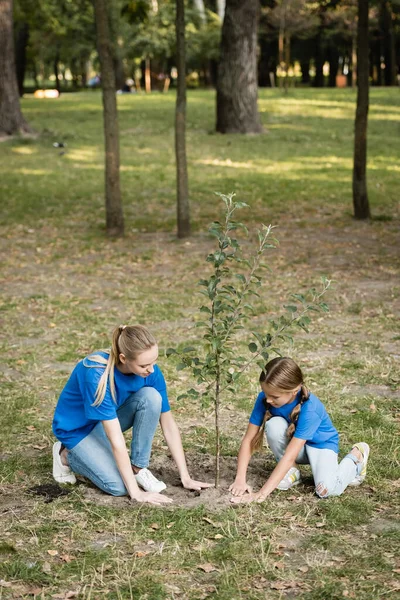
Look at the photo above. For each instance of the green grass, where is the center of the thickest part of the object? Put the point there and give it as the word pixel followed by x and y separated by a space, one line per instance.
pixel 64 286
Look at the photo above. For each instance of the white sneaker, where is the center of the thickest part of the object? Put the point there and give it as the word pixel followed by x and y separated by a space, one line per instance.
pixel 291 478
pixel 61 473
pixel 148 482
pixel 364 449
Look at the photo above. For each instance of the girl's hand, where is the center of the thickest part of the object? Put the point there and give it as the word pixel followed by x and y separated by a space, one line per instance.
pixel 257 497
pixel 192 484
pixel 152 498
pixel 238 489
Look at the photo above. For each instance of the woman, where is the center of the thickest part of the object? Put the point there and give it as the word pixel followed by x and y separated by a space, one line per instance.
pixel 107 393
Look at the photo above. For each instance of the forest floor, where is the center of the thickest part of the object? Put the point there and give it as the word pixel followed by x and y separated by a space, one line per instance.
pixel 64 286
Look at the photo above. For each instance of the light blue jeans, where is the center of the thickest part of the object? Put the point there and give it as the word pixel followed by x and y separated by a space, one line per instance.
pixel 93 457
pixel 330 478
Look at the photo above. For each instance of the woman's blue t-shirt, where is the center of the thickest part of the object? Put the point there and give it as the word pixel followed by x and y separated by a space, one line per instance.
pixel 75 416
pixel 314 424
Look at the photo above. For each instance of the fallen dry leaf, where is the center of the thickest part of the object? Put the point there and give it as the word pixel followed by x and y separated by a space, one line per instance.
pixel 207 567
pixel 31 427
pixel 46 567
pixel 141 553
pixel 67 558
pixel 52 552
pixel 154 526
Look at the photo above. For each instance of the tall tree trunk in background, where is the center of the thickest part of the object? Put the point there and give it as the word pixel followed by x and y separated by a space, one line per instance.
pixel 57 73
pixel 114 215
pixel 389 41
pixel 319 62
pixel 333 57
pixel 21 42
pixel 305 70
pixel 360 194
pixel 11 119
pixel 237 88
pixel 183 213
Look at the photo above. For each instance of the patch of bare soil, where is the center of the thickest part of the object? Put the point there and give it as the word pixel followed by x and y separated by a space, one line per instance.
pixel 201 467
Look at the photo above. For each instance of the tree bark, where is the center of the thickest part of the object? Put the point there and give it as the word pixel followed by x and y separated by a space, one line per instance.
pixel 11 119
pixel 237 89
pixel 114 215
pixel 360 195
pixel 183 212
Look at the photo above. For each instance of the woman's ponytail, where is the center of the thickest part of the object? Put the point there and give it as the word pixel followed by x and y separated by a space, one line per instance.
pixel 127 340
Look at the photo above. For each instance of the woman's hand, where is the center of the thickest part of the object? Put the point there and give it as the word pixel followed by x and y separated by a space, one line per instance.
pixel 239 488
pixel 191 484
pixel 246 499
pixel 152 498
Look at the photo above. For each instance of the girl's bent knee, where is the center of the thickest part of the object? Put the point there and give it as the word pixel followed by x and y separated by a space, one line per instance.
pixel 276 427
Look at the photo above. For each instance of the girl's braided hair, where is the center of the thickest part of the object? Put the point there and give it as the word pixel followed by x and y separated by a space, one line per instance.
pixel 284 375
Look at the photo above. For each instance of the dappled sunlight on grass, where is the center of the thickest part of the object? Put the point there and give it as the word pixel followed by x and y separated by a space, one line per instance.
pixel 33 171
pixel 24 150
pixel 84 154
pixel 300 149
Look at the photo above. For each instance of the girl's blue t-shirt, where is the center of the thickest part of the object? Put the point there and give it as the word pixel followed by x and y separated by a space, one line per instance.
pixel 314 424
pixel 75 416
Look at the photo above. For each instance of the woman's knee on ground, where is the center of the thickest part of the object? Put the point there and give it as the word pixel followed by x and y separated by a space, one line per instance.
pixel 114 488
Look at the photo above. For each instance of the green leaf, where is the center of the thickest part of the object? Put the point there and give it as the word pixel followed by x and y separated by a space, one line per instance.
pixel 181 366
pixel 299 297
pixel 253 347
pixel 182 396
pixel 241 277
pixel 205 309
pixel 170 351
pixel 189 349
pixel 290 308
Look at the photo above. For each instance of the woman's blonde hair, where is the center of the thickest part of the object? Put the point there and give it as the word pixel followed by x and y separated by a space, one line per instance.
pixel 129 340
pixel 284 375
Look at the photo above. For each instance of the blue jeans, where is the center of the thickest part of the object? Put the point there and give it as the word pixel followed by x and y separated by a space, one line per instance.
pixel 330 478
pixel 93 457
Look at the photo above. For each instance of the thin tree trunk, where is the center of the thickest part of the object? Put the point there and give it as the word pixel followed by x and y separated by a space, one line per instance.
pixel 237 88
pixel 57 73
pixel 114 215
pixel 360 195
pixel 319 62
pixel 183 212
pixel 11 119
pixel 217 430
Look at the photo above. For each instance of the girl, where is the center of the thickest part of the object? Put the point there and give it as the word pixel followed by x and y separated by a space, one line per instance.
pixel 298 430
pixel 106 394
